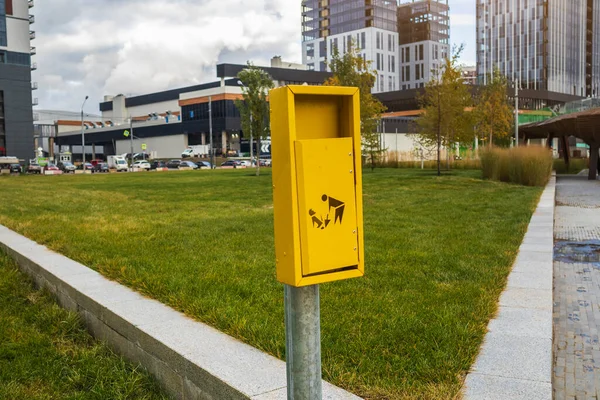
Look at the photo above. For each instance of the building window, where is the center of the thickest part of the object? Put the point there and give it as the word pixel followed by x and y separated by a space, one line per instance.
pixel 362 40
pixel 310 66
pixel 407 53
pixel 422 71
pixel 417 72
pixel 381 82
pixel 378 42
pixel 421 52
pixel 389 83
pixel 403 76
pixel 393 63
pixel 402 52
pixel 389 42
pixel 408 74
pixel 3 38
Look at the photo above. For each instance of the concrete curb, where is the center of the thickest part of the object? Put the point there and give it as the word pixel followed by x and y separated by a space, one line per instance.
pixel 190 359
pixel 515 360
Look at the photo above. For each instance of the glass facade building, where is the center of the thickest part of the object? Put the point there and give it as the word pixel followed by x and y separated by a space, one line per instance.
pixel 551 45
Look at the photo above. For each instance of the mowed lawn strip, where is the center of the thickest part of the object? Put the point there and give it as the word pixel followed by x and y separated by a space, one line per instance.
pixel 45 353
pixel 438 251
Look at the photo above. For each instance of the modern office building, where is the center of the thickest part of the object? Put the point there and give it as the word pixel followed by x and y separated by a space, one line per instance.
pixel 169 121
pixel 16 115
pixel 403 42
pixel 371 25
pixel 424 31
pixel 545 45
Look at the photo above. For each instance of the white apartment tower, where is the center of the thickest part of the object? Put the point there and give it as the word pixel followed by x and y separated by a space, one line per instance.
pixel 423 28
pixel 402 41
pixel 369 24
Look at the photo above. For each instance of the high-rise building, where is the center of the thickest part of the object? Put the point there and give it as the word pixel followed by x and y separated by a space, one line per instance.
pixel 370 25
pixel 16 115
pixel 550 45
pixel 403 42
pixel 424 31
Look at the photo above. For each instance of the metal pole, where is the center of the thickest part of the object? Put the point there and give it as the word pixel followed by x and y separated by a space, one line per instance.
pixel 251 144
pixel 212 160
pixel 131 136
pixel 516 114
pixel 303 342
pixel 82 136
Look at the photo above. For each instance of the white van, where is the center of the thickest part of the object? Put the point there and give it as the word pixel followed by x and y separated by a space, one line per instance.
pixel 117 162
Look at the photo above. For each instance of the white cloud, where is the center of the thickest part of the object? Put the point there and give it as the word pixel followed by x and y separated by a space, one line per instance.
pixel 135 47
pixel 98 47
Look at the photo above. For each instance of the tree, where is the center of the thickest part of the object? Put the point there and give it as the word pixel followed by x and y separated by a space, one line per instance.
pixel 493 113
pixel 254 109
pixel 444 121
pixel 350 69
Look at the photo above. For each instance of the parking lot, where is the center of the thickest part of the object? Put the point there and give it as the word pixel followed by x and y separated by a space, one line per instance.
pixel 118 164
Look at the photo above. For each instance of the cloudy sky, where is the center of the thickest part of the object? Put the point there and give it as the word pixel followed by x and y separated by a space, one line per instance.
pixel 98 47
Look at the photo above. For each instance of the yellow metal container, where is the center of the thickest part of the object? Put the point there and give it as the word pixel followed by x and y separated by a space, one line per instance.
pixel 317 183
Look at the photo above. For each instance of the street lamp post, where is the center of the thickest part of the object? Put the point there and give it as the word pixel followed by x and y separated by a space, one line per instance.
pixel 82 136
pixel 517 113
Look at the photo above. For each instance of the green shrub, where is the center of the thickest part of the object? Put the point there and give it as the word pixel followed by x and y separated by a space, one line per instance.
pixel 527 165
pixel 431 164
pixel 576 165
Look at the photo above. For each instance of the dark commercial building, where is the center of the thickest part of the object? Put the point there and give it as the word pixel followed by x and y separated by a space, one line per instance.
pixel 16 115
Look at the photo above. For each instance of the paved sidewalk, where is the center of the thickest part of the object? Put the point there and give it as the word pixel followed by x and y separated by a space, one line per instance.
pixel 515 360
pixel 576 314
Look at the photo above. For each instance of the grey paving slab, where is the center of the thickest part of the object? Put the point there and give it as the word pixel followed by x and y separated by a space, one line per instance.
pixel 539 245
pixel 529 280
pixel 486 387
pixel 515 357
pixel 576 315
pixel 527 298
pixel 515 360
pixel 539 256
pixel 525 322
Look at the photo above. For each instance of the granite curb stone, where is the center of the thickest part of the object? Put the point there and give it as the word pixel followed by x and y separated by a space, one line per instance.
pixel 515 359
pixel 190 359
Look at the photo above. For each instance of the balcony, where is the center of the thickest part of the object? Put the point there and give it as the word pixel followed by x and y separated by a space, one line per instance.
pixel 32 51
pixel 34 102
pixel 31 19
pixel 34 85
pixel 31 35
pixel 33 66
pixel 30 3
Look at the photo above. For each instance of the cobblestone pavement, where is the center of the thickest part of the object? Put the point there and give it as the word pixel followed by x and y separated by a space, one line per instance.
pixel 576 314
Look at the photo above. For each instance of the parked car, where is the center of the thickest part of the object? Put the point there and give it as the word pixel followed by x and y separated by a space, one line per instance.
pixel 66 167
pixel 245 163
pixel 142 164
pixel 204 165
pixel 158 164
pixel 53 168
pixel 231 164
pixel 101 167
pixel 87 167
pixel 188 164
pixel 34 169
pixel 265 162
pixel 15 168
pixel 173 164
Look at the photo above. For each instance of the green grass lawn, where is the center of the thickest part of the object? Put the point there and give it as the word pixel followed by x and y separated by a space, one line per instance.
pixel 438 251
pixel 45 353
